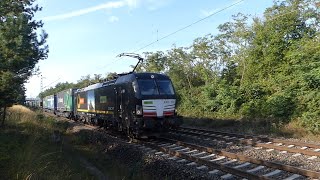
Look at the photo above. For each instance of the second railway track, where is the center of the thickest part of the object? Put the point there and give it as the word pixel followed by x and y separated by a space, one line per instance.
pixel 309 149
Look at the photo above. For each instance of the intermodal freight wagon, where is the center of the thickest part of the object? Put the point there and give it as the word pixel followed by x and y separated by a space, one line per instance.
pixel 65 103
pixel 50 103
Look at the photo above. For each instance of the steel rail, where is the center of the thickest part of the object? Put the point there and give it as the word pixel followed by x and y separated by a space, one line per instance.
pixel 256 138
pixel 255 141
pixel 292 169
pixel 208 163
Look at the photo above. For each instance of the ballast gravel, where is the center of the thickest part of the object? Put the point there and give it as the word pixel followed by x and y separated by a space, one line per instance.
pixel 141 160
pixel 301 161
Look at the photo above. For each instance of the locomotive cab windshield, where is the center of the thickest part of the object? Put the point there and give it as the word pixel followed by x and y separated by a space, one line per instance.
pixel 153 87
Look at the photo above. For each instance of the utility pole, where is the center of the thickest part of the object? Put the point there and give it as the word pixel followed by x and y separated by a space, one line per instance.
pixel 41 89
pixel 41 84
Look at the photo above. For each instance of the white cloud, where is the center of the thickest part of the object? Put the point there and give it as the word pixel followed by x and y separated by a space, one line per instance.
pixel 108 5
pixel 153 5
pixel 113 19
pixel 132 4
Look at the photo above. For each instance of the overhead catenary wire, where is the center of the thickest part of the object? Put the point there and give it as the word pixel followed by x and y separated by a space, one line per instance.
pixel 174 32
pixel 181 29
pixel 178 30
pixel 46 86
pixel 187 26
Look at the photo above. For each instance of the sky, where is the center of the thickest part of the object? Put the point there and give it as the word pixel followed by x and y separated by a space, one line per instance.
pixel 85 36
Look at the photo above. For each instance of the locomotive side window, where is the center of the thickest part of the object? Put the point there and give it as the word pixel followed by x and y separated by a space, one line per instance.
pixel 165 87
pixel 148 87
pixel 103 99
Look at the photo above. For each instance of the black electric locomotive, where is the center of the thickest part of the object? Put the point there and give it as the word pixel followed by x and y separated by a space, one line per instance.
pixel 139 104
pixel 136 103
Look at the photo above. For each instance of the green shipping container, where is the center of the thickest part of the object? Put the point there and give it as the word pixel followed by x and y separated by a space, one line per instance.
pixel 65 100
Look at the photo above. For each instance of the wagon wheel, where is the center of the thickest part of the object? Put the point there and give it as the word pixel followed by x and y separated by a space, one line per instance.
pixel 119 125
pixel 127 125
pixel 131 135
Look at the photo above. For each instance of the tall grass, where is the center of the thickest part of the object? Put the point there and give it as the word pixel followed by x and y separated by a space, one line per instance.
pixel 28 149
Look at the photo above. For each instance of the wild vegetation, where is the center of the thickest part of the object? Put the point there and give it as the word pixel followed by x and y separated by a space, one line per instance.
pixel 21 47
pixel 260 69
pixel 37 146
pixel 29 150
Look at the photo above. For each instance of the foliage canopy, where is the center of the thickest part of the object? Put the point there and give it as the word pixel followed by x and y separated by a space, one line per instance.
pixel 21 47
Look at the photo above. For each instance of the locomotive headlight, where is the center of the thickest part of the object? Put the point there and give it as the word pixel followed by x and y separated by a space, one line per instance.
pixel 138 110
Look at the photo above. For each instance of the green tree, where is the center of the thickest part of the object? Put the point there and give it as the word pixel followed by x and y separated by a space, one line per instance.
pixel 111 76
pixel 154 62
pixel 21 48
pixel 284 27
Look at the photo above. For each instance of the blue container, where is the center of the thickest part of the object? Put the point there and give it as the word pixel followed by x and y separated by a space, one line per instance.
pixel 50 102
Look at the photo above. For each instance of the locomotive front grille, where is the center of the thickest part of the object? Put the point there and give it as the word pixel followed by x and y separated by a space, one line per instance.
pixel 158 107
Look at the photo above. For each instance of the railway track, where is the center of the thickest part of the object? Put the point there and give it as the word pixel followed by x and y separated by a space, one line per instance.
pixel 219 163
pixel 225 164
pixel 270 144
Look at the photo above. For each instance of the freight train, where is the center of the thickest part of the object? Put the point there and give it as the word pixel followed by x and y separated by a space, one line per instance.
pixel 138 104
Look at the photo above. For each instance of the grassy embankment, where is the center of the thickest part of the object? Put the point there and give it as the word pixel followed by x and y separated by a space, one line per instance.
pixel 29 150
pixel 261 127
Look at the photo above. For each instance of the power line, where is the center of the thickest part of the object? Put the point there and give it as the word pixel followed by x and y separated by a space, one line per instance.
pixel 166 36
pixel 51 83
pixel 185 27
pixel 181 29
